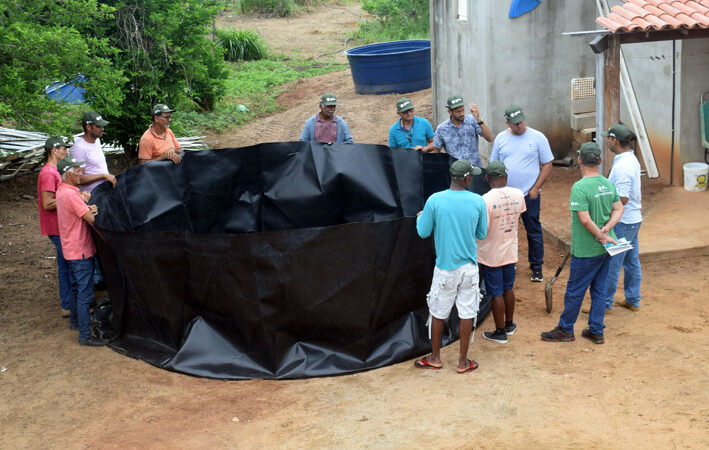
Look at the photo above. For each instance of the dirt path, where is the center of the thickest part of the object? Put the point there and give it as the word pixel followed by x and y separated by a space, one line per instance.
pixel 645 388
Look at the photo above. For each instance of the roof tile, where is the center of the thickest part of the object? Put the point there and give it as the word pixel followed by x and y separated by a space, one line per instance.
pixel 645 15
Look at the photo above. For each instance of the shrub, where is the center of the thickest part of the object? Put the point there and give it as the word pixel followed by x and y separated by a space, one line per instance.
pixel 240 44
pixel 280 8
pixel 395 20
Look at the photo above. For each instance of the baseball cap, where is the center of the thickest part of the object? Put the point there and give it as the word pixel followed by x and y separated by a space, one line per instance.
pixel 514 114
pixel 462 168
pixel 619 131
pixel 496 168
pixel 95 118
pixel 67 163
pixel 160 108
pixel 328 100
pixel 57 141
pixel 404 104
pixel 590 152
pixel 454 101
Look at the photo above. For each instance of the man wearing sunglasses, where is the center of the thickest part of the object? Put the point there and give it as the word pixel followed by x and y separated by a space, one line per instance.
pixel 159 142
pixel 410 131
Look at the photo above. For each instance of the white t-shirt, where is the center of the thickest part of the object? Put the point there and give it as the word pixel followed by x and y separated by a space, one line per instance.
pixel 95 160
pixel 504 206
pixel 522 156
pixel 625 176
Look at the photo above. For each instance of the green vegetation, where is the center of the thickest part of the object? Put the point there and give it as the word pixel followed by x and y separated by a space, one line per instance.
pixel 279 8
pixel 255 85
pixel 395 20
pixel 240 44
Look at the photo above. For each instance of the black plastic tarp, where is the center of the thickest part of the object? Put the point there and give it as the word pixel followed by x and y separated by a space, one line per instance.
pixel 283 260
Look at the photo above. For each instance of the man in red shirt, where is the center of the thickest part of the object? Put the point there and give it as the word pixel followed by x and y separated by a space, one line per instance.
pixel 74 216
pixel 159 142
pixel 47 184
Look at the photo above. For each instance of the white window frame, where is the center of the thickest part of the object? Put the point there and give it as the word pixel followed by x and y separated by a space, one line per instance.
pixel 462 10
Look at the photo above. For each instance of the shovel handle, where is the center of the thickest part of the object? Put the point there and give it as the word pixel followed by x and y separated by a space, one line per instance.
pixel 563 263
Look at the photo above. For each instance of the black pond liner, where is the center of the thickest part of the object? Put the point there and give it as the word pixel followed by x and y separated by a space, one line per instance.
pixel 282 260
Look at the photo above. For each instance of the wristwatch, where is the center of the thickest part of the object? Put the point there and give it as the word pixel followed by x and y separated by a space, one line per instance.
pixel 481 122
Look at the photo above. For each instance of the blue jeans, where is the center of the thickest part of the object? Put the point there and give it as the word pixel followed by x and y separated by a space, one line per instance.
pixel 82 294
pixel 535 238
pixel 630 261
pixel 586 272
pixel 64 274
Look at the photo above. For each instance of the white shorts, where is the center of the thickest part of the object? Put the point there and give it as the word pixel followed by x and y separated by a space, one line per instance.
pixel 459 287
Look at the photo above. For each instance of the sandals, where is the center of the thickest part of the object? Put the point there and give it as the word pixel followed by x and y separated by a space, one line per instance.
pixel 472 365
pixel 424 364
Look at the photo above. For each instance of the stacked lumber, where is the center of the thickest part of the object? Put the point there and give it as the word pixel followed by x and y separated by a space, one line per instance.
pixel 22 152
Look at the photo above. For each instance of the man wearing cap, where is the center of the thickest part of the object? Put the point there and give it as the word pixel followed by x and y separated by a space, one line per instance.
pixel 410 131
pixel 326 127
pixel 625 176
pixel 459 134
pixel 497 254
pixel 73 215
pixel 158 142
pixel 527 155
pixel 47 184
pixel 88 148
pixel 456 217
pixel 595 210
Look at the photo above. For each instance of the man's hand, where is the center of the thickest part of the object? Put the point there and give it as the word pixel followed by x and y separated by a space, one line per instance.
pixel 418 147
pixel 93 210
pixel 475 111
pixel 419 213
pixel 533 193
pixel 604 238
pixel 85 196
pixel 173 156
pixel 111 179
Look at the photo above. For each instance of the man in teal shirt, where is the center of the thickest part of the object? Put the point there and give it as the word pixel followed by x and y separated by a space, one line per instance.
pixel 410 131
pixel 595 209
pixel 456 217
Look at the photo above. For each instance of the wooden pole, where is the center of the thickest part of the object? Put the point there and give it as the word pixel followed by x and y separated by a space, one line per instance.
pixel 611 95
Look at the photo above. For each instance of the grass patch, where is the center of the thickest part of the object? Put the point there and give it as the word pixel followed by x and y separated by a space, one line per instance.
pixel 241 44
pixel 251 92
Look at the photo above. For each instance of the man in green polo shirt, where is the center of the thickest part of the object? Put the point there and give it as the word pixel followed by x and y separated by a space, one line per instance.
pixel 595 209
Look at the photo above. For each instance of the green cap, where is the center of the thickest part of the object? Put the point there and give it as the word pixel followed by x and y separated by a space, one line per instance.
pixel 160 108
pixel 496 168
pixel 57 141
pixel 462 168
pixel 67 163
pixel 95 118
pixel 590 153
pixel 404 104
pixel 514 114
pixel 454 101
pixel 328 100
pixel 620 132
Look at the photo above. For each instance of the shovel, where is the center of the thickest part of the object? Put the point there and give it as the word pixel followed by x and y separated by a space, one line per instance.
pixel 550 283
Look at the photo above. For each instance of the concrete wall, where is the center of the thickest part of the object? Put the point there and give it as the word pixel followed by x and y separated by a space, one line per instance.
pixel 694 81
pixel 494 61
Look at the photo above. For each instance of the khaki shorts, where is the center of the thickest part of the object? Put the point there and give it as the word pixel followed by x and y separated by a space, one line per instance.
pixel 459 287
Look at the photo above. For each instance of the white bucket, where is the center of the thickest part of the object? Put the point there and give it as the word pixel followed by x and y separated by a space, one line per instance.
pixel 695 176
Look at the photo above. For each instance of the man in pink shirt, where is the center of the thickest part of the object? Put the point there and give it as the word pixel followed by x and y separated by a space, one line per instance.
pixel 74 217
pixel 47 184
pixel 88 148
pixel 497 254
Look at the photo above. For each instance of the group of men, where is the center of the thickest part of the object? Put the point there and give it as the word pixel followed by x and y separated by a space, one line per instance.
pixel 524 150
pixel 64 187
pixel 476 235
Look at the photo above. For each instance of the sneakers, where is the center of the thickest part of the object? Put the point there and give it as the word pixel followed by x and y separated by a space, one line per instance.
pixel 595 338
pixel 587 309
pixel 625 304
pixel 498 336
pixel 94 342
pixel 510 328
pixel 537 276
pixel 557 335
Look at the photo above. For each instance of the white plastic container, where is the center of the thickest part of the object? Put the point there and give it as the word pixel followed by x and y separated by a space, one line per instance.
pixel 695 176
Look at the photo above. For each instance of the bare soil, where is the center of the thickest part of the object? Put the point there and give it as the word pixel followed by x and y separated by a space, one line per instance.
pixel 646 387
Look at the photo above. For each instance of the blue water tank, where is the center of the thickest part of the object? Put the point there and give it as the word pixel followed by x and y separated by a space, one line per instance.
pixel 391 67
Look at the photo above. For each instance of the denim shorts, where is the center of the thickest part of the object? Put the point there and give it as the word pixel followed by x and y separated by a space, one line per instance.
pixel 498 279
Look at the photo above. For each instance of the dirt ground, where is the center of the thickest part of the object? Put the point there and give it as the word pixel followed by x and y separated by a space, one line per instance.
pixel 645 388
